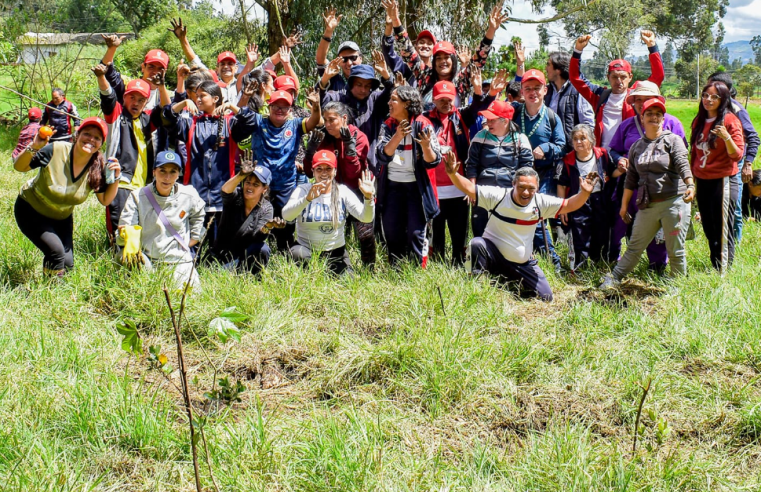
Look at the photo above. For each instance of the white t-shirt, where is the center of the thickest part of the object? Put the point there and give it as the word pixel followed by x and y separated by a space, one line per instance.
pixel 401 169
pixel 612 114
pixel 514 238
pixel 314 228
pixel 586 167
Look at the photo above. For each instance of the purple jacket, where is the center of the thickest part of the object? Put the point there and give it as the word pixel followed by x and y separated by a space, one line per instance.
pixel 627 134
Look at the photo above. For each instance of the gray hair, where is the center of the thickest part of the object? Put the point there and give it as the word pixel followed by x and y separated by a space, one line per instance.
pixel 586 129
pixel 525 171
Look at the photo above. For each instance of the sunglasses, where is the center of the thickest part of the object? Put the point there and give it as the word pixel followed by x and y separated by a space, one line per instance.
pixel 712 97
pixel 350 58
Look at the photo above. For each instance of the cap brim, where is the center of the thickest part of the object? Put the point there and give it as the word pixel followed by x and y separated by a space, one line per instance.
pixel 231 58
pixel 524 80
pixel 489 115
pixel 169 164
pixel 445 96
pixel 277 99
pixel 261 178
pixel 130 91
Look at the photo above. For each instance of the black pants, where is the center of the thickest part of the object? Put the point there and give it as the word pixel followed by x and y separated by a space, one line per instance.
pixel 485 257
pixel 337 259
pixel 114 212
pixel 589 230
pixel 479 218
pixel 403 222
pixel 283 237
pixel 716 202
pixel 454 216
pixel 365 233
pixel 53 237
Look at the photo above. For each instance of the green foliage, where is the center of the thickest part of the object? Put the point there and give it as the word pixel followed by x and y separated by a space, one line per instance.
pixel 690 77
pixel 228 392
pixel 141 14
pixel 755 44
pixel 159 360
pixel 132 342
pixel 224 325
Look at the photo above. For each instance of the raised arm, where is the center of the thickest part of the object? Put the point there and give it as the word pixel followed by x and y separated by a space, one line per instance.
pixel 112 42
pixel 586 186
pixel 461 182
pixel 313 98
pixel 331 21
pixel 180 31
pixel 657 74
pixel 586 89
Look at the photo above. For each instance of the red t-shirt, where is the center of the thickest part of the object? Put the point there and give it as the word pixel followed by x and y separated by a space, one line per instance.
pixel 715 163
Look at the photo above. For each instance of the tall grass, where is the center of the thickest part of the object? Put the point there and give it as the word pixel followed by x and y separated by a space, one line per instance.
pixel 366 383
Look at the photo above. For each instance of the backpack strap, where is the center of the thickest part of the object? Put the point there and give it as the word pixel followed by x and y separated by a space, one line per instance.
pixel 603 99
pixel 510 220
pixel 152 200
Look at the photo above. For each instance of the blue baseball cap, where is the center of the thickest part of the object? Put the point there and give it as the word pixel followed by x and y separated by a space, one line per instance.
pixel 167 157
pixel 365 72
pixel 264 175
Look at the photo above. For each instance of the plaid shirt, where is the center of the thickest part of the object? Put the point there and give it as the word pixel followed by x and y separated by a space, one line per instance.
pixel 26 137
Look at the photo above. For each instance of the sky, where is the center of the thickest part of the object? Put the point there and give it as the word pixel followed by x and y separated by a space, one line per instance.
pixel 742 22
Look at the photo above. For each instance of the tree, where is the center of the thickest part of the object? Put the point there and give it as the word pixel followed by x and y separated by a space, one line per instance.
pixel 749 79
pixel 755 44
pixel 544 36
pixel 141 14
pixel 687 72
pixel 669 55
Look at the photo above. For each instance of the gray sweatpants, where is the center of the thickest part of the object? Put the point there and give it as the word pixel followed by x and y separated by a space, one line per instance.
pixel 674 216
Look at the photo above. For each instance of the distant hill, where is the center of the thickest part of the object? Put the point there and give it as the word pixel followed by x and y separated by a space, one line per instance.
pixel 740 49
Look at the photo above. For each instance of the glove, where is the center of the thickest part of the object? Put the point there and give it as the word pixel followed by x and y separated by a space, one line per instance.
pixel 350 143
pixel 131 254
pixel 315 139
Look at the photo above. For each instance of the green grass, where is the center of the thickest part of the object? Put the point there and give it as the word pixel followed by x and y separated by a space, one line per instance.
pixel 366 384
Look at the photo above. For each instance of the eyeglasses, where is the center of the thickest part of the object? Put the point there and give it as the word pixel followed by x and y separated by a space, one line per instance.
pixel 713 97
pixel 280 109
pixel 350 58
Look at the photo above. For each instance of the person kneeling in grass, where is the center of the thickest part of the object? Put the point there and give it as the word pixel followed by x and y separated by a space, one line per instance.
pixel 320 213
pixel 170 216
pixel 506 247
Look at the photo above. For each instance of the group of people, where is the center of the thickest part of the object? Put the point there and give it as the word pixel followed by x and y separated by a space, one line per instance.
pixel 403 149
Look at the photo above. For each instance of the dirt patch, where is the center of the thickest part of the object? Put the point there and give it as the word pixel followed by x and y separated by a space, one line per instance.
pixel 273 370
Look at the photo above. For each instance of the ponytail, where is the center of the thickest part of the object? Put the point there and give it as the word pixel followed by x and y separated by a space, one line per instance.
pixel 334 202
pixel 95 174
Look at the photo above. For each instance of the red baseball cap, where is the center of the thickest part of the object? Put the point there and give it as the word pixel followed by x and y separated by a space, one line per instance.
pixel 97 122
pixel 34 113
pixel 444 88
pixel 226 55
pixel 281 96
pixel 658 102
pixel 140 86
pixel 285 83
pixel 324 157
pixel 271 72
pixel 444 47
pixel 534 74
pixel 498 109
pixel 425 33
pixel 157 56
pixel 619 64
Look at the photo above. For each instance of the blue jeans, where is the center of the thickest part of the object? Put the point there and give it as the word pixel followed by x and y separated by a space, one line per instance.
pixel 547 186
pixel 738 229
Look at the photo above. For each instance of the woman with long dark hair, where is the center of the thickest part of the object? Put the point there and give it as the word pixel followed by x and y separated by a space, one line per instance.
pixel 717 146
pixel 407 156
pixel 69 172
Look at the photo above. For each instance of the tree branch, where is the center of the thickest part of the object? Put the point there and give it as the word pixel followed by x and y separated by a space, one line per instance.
pixel 555 18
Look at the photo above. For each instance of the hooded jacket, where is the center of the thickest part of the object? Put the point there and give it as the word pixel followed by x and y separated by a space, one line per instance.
pixel 350 167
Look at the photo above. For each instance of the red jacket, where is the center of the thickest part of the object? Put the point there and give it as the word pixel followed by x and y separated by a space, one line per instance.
pixel 349 167
pixel 598 96
pixel 714 162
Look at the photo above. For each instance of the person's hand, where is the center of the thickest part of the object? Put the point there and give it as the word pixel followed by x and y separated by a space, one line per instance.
pixel 698 218
pixel 313 100
pixel 403 128
pixel 293 40
pixel 623 165
pixel 178 28
pixel 476 80
pixel 345 133
pixel 624 213
pixel 331 20
pixel 648 37
pixel 99 70
pixel 275 223
pixel 285 55
pixel 582 42
pixel 451 165
pixel 222 109
pixel 399 79
pixel 520 54
pixel 333 68
pixel 538 153
pixel 113 41
pixel 191 107
pixel 689 194
pixel 721 132
pixel 252 54
pixel 157 79
pixel 464 55
pixel 497 18
pixel 426 137
pixel 183 70
pixel 113 165
pixel 367 184
pixel 247 162
pixel 747 172
pixel 392 8
pixel 588 182
pixel 498 83
pixel 563 219
pixel 250 88
pixel 379 65
pixel 317 189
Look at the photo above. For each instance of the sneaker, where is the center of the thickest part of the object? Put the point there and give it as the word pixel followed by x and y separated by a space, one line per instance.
pixel 609 283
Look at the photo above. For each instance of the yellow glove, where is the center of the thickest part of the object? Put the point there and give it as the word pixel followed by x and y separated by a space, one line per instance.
pixel 131 254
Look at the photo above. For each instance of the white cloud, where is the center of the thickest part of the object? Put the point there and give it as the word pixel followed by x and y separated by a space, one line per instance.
pixel 742 20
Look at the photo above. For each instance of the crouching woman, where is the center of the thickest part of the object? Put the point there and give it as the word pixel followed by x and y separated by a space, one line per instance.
pixel 320 212
pixel 170 219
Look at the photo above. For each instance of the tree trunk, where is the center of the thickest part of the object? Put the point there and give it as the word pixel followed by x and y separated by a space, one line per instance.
pixel 278 26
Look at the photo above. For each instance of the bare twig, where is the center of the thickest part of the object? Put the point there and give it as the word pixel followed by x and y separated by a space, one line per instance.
pixel 645 390
pixel 441 299
pixel 38 102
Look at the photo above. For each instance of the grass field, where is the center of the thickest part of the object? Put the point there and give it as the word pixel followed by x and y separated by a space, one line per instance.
pixel 376 382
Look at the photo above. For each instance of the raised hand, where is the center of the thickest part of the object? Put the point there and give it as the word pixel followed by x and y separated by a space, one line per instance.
pixel 191 107
pixel 313 100
pixel 157 79
pixel 589 181
pixel 252 53
pixel 499 82
pixel 178 28
pixel 40 141
pixel 476 80
pixel 333 68
pixel 392 8
pixel 331 20
pixel 113 41
pixel 647 37
pixel 425 138
pixel 221 109
pixel 399 79
pixel 250 88
pixel 497 18
pixel 247 162
pixel 183 70
pixel 464 55
pixel 582 42
pixel 285 55
pixel 520 53
pixel 450 162
pixel 367 184
pixel 317 189
pixel 345 133
pixel 379 64
pixel 99 70
pixel 293 40
pixel 404 128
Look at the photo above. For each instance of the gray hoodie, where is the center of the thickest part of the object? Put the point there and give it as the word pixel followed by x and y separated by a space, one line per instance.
pixel 661 164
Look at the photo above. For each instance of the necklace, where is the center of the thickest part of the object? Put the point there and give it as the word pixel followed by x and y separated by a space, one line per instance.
pixel 539 120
